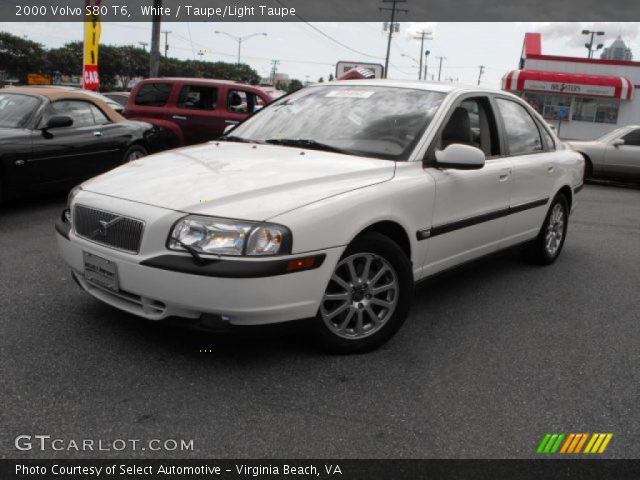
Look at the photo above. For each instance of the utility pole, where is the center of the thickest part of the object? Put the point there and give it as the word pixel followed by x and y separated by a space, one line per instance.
pixel 440 67
pixel 154 62
pixel 274 70
pixel 426 64
pixel 422 36
pixel 166 42
pixel 392 26
pixel 480 74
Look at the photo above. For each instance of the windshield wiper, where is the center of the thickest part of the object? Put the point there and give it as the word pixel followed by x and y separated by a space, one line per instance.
pixel 305 143
pixel 233 138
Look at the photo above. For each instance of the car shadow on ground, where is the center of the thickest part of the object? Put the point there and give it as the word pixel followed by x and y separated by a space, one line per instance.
pixel 256 343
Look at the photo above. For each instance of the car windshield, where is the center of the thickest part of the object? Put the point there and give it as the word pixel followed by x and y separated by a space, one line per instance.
pixel 15 110
pixel 375 121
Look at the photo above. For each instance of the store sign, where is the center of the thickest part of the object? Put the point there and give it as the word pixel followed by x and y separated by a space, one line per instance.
pixel 570 88
pixel 38 79
pixel 92 31
pixel 343 67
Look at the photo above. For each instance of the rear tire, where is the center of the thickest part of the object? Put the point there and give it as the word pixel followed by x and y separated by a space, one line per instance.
pixel 134 152
pixel 546 248
pixel 368 297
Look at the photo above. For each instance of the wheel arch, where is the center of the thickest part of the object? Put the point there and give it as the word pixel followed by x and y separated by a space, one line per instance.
pixel 393 231
pixel 568 193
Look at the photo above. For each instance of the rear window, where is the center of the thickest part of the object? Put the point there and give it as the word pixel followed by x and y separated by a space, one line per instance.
pixel 154 94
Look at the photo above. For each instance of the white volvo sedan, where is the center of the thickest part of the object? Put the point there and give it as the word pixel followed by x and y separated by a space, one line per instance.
pixel 326 205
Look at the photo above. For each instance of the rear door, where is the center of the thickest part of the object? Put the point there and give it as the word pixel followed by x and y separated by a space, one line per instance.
pixel 198 112
pixel 151 100
pixel 624 160
pixel 535 172
pixel 470 205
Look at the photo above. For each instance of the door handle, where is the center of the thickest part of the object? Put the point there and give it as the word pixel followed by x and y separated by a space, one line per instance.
pixel 232 122
pixel 179 117
pixel 97 134
pixel 550 169
pixel 504 174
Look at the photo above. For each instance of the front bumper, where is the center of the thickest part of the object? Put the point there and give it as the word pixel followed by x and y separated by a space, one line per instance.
pixel 155 293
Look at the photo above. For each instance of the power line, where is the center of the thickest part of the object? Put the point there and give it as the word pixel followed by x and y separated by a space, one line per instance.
pixel 330 37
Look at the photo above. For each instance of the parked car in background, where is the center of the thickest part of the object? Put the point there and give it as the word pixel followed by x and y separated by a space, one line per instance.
pixel 195 110
pixel 120 97
pixel 615 155
pixel 52 139
pixel 326 205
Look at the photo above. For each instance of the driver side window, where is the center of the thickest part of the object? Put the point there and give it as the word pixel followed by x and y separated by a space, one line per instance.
pixel 78 110
pixel 471 123
pixel 632 139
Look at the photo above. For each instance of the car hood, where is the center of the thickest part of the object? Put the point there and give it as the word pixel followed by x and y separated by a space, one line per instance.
pixel 244 181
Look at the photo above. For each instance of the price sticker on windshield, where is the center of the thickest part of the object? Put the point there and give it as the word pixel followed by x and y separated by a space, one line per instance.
pixel 349 93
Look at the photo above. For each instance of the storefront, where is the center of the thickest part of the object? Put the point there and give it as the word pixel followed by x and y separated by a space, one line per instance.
pixel 592 96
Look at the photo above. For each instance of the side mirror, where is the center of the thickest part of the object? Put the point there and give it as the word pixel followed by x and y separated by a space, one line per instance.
pixel 460 157
pixel 59 121
pixel 618 142
pixel 228 128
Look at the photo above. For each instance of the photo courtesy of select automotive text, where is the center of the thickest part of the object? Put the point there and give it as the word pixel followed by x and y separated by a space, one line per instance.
pixel 331 240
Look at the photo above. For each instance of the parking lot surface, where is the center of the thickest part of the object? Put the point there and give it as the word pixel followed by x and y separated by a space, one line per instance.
pixel 492 357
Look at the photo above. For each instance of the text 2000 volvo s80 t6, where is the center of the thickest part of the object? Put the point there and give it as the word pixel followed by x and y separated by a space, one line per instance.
pixel 328 204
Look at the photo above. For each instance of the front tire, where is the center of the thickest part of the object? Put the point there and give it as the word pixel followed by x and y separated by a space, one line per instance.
pixel 134 152
pixel 546 248
pixel 368 297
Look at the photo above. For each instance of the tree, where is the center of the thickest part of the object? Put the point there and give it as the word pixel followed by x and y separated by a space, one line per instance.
pixel 118 67
pixel 294 85
pixel 321 80
pixel 19 56
pixel 331 77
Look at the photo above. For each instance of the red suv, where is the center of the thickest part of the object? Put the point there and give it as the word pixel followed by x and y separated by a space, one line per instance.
pixel 196 110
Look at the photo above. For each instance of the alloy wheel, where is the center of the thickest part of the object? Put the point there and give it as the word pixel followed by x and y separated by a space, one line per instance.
pixel 361 297
pixel 555 229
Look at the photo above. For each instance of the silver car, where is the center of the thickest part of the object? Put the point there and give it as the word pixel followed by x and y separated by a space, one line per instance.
pixel 615 155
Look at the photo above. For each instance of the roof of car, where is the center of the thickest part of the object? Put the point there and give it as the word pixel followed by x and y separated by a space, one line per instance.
pixel 54 93
pixel 415 84
pixel 194 79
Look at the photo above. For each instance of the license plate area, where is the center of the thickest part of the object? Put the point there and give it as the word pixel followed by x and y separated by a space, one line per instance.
pixel 100 271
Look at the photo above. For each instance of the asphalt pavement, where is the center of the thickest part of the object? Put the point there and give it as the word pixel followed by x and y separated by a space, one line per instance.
pixel 492 357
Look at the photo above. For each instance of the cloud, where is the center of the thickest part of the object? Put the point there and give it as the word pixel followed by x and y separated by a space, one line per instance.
pixel 570 33
pixel 410 29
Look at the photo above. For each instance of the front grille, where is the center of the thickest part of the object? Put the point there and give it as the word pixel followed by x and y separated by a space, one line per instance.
pixel 108 229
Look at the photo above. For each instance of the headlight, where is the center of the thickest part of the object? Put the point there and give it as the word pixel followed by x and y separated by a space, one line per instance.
pixel 229 237
pixel 72 195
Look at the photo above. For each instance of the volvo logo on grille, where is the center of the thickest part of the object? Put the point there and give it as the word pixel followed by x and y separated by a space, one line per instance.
pixel 103 227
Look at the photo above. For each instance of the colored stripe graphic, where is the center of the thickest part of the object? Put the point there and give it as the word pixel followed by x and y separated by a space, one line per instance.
pixel 572 443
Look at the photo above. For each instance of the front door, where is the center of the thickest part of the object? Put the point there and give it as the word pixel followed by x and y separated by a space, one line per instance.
pixel 624 160
pixel 470 205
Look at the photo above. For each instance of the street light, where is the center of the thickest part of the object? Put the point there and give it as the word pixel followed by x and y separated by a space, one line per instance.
pixel 240 39
pixel 589 45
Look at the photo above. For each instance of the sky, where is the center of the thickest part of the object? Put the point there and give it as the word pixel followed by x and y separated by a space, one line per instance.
pixel 310 51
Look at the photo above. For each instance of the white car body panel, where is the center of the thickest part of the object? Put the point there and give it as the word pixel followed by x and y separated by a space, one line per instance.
pixel 326 200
